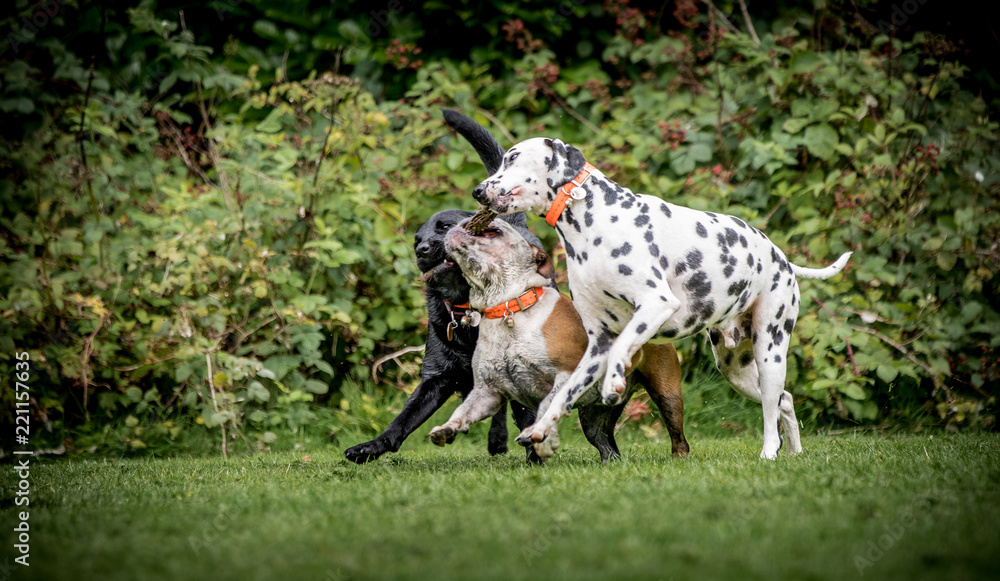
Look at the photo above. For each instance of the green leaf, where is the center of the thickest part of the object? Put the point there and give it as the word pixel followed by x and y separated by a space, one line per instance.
pixel 257 392
pixel 947 260
pixel 821 140
pixel 886 372
pixel 853 391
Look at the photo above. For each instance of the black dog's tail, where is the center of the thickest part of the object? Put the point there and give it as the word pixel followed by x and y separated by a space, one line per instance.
pixel 486 146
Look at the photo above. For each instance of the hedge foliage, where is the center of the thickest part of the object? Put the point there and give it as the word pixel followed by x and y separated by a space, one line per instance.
pixel 217 233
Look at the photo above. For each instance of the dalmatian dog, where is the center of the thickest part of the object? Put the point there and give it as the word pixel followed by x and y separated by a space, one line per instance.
pixel 641 269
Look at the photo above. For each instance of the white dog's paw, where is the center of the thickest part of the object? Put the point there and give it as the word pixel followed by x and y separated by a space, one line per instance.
pixel 442 435
pixel 547 447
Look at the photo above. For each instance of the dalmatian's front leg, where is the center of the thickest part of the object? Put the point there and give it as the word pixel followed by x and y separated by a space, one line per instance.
pixel 564 395
pixel 646 321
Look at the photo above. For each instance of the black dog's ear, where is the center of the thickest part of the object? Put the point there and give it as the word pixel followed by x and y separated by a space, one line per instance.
pixel 485 145
pixel 543 264
pixel 567 156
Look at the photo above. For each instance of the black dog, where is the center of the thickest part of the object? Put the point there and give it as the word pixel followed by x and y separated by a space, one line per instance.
pixel 447 365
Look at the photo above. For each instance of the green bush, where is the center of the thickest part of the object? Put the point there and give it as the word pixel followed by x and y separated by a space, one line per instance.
pixel 192 238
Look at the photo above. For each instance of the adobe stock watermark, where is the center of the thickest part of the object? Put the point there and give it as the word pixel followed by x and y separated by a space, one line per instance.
pixel 899 15
pixel 560 523
pixel 41 15
pixel 875 549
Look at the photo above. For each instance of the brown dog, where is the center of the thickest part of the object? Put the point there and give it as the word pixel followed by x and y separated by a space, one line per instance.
pixel 531 339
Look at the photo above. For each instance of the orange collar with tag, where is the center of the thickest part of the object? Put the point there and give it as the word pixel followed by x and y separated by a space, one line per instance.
pixel 566 193
pixel 521 303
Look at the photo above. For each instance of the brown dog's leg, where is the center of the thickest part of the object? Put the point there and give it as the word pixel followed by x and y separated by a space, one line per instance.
pixel 662 378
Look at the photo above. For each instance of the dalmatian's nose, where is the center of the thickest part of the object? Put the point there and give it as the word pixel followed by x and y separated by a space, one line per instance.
pixel 479 194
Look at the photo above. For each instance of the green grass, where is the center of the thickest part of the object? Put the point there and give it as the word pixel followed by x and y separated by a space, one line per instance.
pixel 456 513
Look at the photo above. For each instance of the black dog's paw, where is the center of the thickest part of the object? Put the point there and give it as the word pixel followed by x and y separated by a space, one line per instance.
pixel 497 446
pixel 363 453
pixel 442 435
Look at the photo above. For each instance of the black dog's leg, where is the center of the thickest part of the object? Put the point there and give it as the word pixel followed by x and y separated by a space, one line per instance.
pixel 497 438
pixel 524 417
pixel 598 424
pixel 428 398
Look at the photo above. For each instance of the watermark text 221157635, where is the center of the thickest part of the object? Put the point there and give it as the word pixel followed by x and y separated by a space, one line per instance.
pixel 22 433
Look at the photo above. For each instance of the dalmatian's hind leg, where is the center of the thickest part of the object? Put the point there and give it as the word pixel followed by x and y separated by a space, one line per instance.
pixel 739 366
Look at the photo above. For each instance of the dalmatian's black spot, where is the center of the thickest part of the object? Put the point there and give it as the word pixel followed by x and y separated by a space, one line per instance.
pixel 754 338
pixel 789 325
pixel 714 335
pixel 721 239
pixel 583 257
pixel 609 295
pixel 694 259
pixel 760 267
pixel 641 328
pixel 698 285
pixel 700 229
pixel 664 263
pixel 737 287
pixel 777 358
pixel 614 219
pixel 770 346
pixel 610 197
pixel 739 222
pixel 665 209
pixel 691 321
pixel 629 201
pixel 621 251
pixel 641 220
pixel 611 315
pixel 654 250
pixel 656 273
pixel 588 219
pixel 650 283
pixel 625 270
pixel 680 269
pixel 644 209
pixel 593 368
pixel 746 358
pixel 570 252
pixel 603 343
pixel 750 260
pixel 775 257
pixel 598 240
pixel 729 358
pixel 732 237
pixel 669 333
pixel 728 271
pixel 743 241
pixel 744 300
pixel 781 311
pixel 620 369
pixel 648 236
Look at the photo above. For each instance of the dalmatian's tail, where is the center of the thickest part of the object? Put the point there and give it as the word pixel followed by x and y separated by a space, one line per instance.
pixel 822 272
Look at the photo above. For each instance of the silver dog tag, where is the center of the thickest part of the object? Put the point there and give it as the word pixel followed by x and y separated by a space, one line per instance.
pixel 578 193
pixel 472 319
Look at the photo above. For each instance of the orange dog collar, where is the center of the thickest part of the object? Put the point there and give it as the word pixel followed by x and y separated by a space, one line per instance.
pixel 566 193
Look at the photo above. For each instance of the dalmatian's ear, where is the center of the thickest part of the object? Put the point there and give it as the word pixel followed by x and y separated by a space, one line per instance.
pixel 566 158
pixel 543 263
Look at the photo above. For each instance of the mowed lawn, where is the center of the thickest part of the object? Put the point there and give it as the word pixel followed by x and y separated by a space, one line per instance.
pixel 922 506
